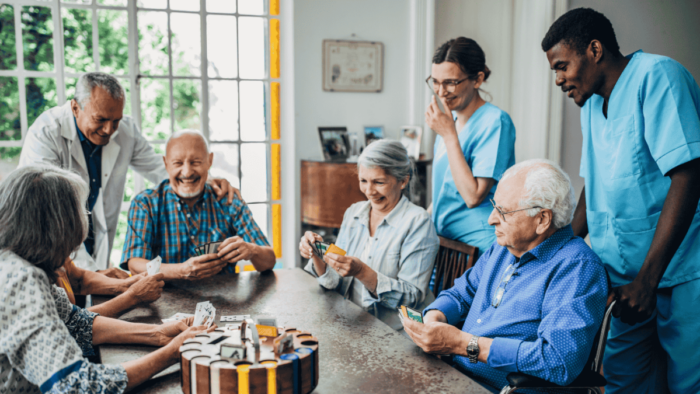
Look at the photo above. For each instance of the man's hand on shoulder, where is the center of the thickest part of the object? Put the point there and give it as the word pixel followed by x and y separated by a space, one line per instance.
pixel 201 267
pixel 222 188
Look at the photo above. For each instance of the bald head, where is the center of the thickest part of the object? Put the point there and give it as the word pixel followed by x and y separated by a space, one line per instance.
pixel 187 160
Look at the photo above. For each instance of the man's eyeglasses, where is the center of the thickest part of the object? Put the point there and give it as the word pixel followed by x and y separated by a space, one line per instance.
pixel 449 85
pixel 503 214
pixel 507 275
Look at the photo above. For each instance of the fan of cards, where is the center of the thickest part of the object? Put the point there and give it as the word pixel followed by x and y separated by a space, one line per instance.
pixel 321 248
pixel 207 248
pixel 409 313
pixel 204 314
pixel 153 266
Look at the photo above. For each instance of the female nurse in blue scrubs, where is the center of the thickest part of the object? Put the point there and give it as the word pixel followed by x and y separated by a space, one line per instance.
pixel 474 147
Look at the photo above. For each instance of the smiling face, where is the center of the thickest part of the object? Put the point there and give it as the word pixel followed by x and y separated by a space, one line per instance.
pixel 576 74
pixel 464 93
pixel 188 163
pixel 381 189
pixel 99 118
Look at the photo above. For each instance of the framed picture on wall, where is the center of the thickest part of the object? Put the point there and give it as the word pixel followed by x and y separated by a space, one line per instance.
pixel 352 66
pixel 373 133
pixel 334 143
pixel 410 139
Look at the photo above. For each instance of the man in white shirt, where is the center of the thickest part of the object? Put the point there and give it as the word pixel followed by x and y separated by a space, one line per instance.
pixel 91 136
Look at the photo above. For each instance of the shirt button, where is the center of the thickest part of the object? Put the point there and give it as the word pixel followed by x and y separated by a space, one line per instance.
pixel 478 321
pixel 188 215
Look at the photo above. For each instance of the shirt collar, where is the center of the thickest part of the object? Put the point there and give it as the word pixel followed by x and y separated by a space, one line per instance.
pixel 550 246
pixel 171 196
pixel 392 219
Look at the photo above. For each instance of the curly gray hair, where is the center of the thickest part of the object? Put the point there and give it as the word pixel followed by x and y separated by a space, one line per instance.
pixel 546 186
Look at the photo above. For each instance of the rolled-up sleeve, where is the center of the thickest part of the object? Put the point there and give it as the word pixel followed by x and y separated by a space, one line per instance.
pixel 572 312
pixel 418 252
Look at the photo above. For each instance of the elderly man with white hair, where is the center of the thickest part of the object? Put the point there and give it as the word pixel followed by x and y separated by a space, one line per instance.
pixel 534 301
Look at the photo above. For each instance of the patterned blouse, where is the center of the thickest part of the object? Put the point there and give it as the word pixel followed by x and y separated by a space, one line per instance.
pixel 44 338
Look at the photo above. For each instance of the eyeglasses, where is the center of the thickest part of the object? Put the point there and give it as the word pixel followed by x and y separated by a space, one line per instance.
pixel 449 85
pixel 503 214
pixel 507 275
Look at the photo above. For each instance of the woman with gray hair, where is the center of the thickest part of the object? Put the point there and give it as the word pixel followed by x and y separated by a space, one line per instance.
pixel 390 243
pixel 44 339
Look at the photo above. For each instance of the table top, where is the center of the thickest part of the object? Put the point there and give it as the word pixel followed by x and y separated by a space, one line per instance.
pixel 357 352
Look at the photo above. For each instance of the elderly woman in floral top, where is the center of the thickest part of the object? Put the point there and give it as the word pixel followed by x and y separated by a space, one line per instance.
pixel 44 339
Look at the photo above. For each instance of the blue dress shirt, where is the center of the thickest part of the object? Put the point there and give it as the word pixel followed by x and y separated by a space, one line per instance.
pixel 548 316
pixel 93 160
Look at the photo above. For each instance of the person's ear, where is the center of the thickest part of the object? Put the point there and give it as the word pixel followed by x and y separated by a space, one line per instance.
pixel 165 162
pixel 595 51
pixel 75 107
pixel 479 79
pixel 211 159
pixel 544 221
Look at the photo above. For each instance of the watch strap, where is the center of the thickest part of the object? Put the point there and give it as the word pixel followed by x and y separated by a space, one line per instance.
pixel 473 349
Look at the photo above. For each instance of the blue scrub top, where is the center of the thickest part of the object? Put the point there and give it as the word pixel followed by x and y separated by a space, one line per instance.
pixel 488 144
pixel 653 126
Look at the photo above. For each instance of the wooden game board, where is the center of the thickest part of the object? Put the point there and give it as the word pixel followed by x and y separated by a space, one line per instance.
pixel 262 371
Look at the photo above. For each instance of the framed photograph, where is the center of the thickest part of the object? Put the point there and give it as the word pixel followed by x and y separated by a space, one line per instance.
pixel 352 66
pixel 410 139
pixel 334 142
pixel 373 133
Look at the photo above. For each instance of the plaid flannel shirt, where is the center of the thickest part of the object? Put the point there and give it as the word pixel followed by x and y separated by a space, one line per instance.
pixel 160 224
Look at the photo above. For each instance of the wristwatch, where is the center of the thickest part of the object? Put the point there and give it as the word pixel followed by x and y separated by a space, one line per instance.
pixel 473 349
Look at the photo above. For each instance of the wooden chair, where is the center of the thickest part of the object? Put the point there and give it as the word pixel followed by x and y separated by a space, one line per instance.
pixel 451 262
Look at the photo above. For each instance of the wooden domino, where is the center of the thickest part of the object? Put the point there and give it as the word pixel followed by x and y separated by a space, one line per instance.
pixel 244 368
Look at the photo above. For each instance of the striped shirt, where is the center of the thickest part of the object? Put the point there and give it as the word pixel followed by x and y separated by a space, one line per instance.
pixel 161 224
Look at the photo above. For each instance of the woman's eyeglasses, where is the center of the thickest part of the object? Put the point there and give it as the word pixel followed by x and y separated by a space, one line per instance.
pixel 449 85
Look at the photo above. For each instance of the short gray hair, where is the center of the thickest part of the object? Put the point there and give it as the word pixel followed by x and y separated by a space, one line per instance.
pixel 546 186
pixel 180 133
pixel 390 156
pixel 42 215
pixel 87 82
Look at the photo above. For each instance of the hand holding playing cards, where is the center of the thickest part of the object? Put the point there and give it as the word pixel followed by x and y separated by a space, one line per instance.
pixel 305 248
pixel 434 337
pixel 147 288
pixel 201 267
pixel 235 249
pixel 345 265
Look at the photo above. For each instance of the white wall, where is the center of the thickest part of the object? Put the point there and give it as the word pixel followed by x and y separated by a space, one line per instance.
pixel 386 21
pixel 667 28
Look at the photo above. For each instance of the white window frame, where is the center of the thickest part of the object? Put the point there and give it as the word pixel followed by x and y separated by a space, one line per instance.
pixel 59 75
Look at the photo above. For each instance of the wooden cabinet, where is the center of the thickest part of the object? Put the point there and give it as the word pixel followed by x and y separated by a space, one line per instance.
pixel 327 190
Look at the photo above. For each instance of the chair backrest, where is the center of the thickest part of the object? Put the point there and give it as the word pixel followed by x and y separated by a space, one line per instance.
pixel 451 262
pixel 595 359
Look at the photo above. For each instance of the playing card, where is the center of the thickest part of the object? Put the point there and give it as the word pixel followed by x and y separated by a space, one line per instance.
pixel 321 248
pixel 334 249
pixel 215 247
pixel 200 313
pixel 153 266
pixel 235 318
pixel 177 316
pixel 210 318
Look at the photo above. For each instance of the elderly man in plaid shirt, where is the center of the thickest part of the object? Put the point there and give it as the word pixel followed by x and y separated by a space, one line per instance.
pixel 182 213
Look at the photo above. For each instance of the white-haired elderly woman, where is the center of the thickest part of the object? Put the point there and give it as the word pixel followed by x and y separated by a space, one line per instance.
pixel 44 339
pixel 391 243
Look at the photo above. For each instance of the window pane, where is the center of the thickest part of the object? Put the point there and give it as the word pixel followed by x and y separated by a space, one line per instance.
pixel 225 163
pixel 184 5
pixel 70 87
pixel 77 40
pixel 10 127
pixel 129 186
pixel 155 108
pixel 221 6
pixel 114 43
pixel 153 43
pixel 160 4
pixel 127 95
pixel 41 95
pixel 160 150
pixel 260 213
pixel 221 46
pixel 187 103
pixel 223 110
pixel 119 238
pixel 253 106
pixel 77 1
pixel 8 60
pixel 252 49
pixel 121 3
pixel 186 44
pixel 37 36
pixel 254 172
pixel 251 7
pixel 9 160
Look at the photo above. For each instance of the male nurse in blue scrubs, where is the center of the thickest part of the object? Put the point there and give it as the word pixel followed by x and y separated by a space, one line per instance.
pixel 641 143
